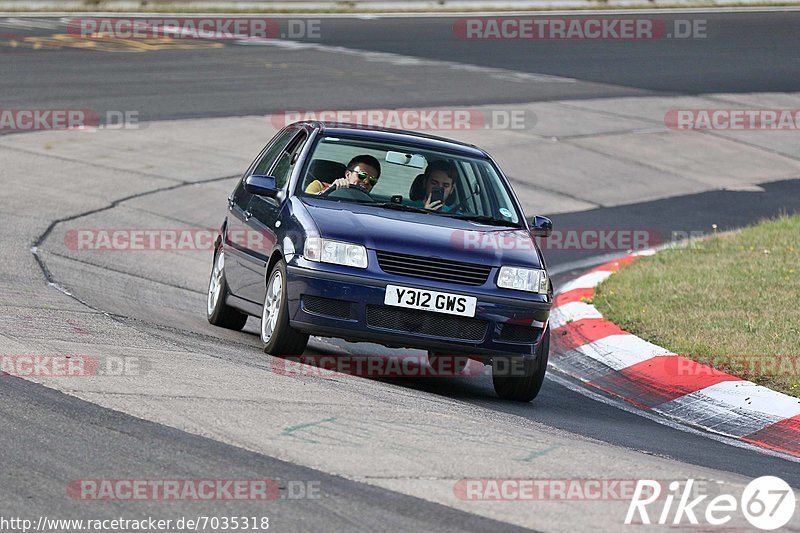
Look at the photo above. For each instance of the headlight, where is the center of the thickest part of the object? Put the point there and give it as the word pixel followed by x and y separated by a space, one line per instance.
pixel 523 279
pixel 336 252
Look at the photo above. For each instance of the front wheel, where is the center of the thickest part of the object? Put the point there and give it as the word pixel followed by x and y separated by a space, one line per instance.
pixel 278 336
pixel 521 379
pixel 218 312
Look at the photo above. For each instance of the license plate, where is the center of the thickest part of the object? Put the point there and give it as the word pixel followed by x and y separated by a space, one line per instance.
pixel 440 302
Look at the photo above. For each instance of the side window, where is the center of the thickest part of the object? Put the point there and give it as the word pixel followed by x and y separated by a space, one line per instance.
pixel 264 161
pixel 474 200
pixel 498 200
pixel 276 147
pixel 286 161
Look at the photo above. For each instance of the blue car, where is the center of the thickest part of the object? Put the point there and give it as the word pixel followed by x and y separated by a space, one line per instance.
pixel 385 236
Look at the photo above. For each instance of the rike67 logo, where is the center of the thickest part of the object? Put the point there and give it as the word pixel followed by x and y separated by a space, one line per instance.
pixel 767 502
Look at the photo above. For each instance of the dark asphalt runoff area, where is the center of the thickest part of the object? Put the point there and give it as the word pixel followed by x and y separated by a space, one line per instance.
pixel 742 52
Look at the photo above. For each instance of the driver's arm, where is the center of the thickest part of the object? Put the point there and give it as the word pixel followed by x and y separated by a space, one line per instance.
pixel 316 187
pixel 340 183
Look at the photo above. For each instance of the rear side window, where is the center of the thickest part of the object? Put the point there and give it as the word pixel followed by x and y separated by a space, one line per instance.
pixel 286 160
pixel 272 152
pixel 263 163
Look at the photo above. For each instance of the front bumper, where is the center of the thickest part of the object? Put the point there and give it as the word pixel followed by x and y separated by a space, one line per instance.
pixel 332 303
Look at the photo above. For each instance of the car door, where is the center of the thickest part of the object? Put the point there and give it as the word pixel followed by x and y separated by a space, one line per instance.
pixel 261 228
pixel 238 267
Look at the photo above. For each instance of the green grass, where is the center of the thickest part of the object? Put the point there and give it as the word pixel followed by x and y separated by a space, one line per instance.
pixel 732 302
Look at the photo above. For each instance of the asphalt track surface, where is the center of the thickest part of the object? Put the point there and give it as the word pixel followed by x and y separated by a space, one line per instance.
pixel 747 53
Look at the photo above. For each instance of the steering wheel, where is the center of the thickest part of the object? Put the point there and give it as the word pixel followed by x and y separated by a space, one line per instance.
pixel 353 192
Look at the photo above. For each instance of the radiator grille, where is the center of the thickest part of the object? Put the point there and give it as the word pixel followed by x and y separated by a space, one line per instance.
pixel 434 269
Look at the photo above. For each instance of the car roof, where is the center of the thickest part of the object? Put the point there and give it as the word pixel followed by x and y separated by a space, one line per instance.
pixel 421 140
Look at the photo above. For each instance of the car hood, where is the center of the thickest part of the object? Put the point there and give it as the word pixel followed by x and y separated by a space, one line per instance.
pixel 423 234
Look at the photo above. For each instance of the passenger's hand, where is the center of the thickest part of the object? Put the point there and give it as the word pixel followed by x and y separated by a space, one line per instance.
pixel 432 206
pixel 341 183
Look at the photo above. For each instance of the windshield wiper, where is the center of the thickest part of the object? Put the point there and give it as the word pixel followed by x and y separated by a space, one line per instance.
pixel 402 207
pixel 482 219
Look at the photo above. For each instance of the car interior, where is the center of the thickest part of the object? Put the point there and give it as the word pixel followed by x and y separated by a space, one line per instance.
pixel 402 176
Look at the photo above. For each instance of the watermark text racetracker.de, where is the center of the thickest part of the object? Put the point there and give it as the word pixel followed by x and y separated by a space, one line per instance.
pixel 101 525
pixel 39 119
pixel 578 28
pixel 589 239
pixel 399 366
pixel 162 239
pixel 534 489
pixel 70 366
pixel 771 365
pixel 420 119
pixel 213 28
pixel 192 490
pixel 733 119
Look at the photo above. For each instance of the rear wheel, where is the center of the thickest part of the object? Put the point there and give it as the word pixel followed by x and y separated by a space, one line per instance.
pixel 278 336
pixel 521 380
pixel 217 311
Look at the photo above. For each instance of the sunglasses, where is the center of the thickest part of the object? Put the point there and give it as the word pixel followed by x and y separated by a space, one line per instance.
pixel 366 177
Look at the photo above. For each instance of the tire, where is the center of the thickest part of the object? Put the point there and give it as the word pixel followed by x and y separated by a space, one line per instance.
pixel 522 388
pixel 449 365
pixel 278 337
pixel 218 312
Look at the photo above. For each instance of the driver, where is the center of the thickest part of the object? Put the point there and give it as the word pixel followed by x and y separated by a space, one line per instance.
pixel 363 170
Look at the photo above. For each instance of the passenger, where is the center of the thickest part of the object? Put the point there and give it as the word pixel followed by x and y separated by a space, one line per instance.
pixel 441 174
pixel 363 170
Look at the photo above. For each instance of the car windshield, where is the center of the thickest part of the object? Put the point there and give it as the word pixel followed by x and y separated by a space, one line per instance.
pixel 411 179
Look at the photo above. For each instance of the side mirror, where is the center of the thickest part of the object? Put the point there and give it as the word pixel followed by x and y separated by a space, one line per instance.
pixel 261 186
pixel 541 226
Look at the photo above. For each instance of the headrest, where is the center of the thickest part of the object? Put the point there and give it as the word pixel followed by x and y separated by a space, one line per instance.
pixel 324 170
pixel 417 190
